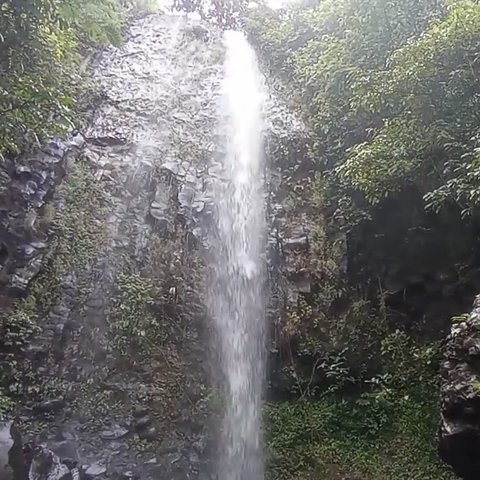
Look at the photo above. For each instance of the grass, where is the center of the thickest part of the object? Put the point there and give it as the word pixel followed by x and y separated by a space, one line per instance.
pixel 382 436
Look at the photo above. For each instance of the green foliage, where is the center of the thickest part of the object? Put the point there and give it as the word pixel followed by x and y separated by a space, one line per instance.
pixel 371 440
pixel 98 403
pixel 385 433
pixel 6 405
pixel 225 13
pixel 79 225
pixel 407 363
pixel 134 327
pixel 18 325
pixel 40 41
pixel 391 91
pixel 94 23
pixel 461 318
pixel 79 233
pixel 329 338
pixel 430 138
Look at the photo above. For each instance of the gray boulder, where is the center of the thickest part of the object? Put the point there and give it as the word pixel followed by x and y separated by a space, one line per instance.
pixel 460 396
pixel 11 457
pixel 47 466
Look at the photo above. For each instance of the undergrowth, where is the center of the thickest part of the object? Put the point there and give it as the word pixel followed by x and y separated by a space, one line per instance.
pixel 381 439
pixel 386 432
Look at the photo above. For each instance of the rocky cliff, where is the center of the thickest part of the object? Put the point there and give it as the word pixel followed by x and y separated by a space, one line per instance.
pixel 460 420
pixel 102 266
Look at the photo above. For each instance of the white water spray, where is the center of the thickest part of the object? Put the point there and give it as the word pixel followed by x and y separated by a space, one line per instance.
pixel 236 295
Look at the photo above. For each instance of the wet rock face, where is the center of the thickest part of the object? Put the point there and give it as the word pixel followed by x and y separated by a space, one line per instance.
pixel 47 466
pixel 26 185
pixel 460 392
pixel 11 455
pixel 148 148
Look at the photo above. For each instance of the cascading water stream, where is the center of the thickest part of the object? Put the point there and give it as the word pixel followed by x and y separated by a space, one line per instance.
pixel 236 294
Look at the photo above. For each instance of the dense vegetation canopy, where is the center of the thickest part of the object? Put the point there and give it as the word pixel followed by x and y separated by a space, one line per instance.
pixel 42 47
pixel 390 89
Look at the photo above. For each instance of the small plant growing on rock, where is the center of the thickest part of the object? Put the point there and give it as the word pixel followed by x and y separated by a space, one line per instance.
pixel 133 323
pixel 460 318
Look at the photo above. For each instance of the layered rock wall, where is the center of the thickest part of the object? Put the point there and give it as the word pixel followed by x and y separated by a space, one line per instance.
pixel 460 392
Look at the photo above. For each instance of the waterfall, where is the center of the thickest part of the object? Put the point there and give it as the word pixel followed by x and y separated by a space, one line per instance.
pixel 236 293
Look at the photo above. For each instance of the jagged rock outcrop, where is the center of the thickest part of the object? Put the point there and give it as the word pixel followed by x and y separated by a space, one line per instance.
pixel 460 392
pixel 307 262
pixel 26 184
pixel 47 466
pixel 12 465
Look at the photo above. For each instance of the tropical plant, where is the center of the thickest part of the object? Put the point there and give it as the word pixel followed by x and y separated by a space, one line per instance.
pixel 40 44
